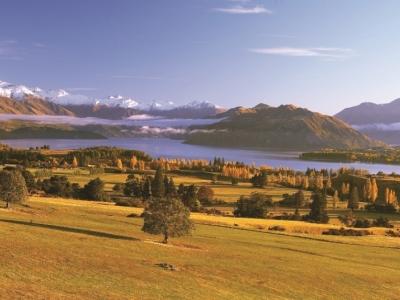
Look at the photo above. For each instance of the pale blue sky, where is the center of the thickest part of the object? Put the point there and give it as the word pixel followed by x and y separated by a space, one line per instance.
pixel 321 54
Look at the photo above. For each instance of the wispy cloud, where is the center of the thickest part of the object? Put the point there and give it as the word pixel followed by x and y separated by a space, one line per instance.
pixel 325 52
pixel 244 10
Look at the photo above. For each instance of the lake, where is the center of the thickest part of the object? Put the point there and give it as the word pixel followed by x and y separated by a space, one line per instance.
pixel 170 148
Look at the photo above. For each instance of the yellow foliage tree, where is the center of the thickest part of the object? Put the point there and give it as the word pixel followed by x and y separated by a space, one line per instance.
pixel 74 163
pixel 119 164
pixel 133 162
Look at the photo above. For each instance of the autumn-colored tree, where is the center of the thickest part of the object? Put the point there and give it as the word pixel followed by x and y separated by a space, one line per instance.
pixel 305 184
pixel 328 183
pixel 390 197
pixel 118 164
pixel 335 199
pixel 133 161
pixel 374 190
pixel 74 163
pixel 319 182
pixel 367 190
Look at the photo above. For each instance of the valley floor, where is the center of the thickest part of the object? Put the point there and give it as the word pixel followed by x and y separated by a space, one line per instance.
pixel 68 249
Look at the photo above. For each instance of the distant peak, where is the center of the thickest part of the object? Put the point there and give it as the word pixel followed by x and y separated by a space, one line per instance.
pixel 261 106
pixel 289 106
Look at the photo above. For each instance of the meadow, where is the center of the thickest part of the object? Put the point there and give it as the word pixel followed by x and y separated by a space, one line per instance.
pixel 70 249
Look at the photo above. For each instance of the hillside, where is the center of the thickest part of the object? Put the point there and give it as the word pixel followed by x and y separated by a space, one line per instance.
pixel 76 245
pixel 284 127
pixel 371 113
pixel 31 106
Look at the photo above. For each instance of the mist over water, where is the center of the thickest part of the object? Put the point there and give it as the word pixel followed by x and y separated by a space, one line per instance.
pixel 140 120
pixel 169 148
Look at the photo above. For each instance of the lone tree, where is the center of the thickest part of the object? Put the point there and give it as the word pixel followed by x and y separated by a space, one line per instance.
pixel 12 187
pixel 167 216
pixel 318 208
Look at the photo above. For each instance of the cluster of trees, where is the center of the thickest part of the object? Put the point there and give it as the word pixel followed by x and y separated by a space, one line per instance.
pixel 292 179
pixel 296 200
pixel 357 189
pixel 257 204
pixel 22 157
pixel 161 186
pixel 239 172
pixel 254 206
pixel 104 156
pixel 146 187
pixel 177 164
pixel 60 186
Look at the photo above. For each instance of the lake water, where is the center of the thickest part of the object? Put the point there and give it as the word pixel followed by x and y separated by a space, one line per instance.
pixel 169 148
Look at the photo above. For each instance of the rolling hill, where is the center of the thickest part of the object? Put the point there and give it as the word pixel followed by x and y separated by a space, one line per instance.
pixel 284 127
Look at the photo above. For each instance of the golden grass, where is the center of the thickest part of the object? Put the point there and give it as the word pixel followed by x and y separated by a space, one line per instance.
pixel 69 249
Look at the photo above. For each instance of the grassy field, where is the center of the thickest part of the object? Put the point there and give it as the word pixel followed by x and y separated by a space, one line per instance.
pixel 68 249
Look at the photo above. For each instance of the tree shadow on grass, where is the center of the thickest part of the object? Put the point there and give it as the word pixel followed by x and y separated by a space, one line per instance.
pixel 72 229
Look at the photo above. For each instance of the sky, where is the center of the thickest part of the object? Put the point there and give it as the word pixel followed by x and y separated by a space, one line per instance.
pixel 321 54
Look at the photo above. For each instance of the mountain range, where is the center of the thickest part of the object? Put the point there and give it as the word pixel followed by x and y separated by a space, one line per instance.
pixel 284 127
pixel 20 99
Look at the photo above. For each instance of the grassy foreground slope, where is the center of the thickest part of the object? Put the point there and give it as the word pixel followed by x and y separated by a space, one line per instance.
pixel 65 249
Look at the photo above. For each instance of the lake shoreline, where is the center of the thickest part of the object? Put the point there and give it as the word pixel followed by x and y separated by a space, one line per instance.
pixel 173 148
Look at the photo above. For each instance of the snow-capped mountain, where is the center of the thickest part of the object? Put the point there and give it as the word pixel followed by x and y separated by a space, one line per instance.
pixel 126 102
pixel 21 92
pixel 17 92
pixel 201 105
pixel 115 106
